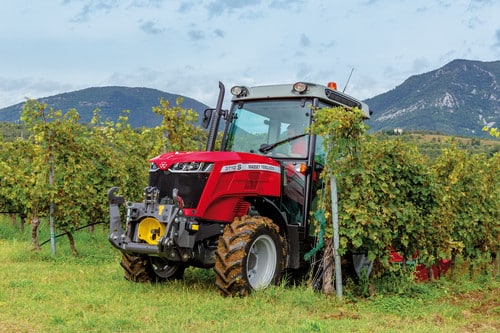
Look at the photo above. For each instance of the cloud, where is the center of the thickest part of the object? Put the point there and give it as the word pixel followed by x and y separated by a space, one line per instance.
pixel 371 2
pixel 304 71
pixel 481 2
pixel 196 35
pixel 248 9
pixel 92 7
pixel 186 6
pixel 444 3
pixel 219 7
pixel 497 39
pixel 288 4
pixel 146 3
pixel 142 76
pixel 422 10
pixel 13 91
pixel 473 22
pixel 476 5
pixel 219 33
pixel 150 27
pixel 304 41
pixel 420 65
pixel 30 83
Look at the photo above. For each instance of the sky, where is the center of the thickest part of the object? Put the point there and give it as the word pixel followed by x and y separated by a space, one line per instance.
pixel 186 47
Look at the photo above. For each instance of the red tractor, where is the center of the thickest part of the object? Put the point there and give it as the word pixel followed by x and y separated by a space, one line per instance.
pixel 243 210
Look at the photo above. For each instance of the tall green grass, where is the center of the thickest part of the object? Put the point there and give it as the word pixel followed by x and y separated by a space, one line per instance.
pixel 43 293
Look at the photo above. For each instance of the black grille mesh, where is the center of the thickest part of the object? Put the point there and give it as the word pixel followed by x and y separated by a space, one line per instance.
pixel 190 185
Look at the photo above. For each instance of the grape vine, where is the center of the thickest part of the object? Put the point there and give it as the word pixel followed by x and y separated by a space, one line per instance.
pixel 393 197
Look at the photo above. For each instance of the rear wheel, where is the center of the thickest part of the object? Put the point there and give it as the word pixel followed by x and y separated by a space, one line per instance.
pixel 150 269
pixel 250 256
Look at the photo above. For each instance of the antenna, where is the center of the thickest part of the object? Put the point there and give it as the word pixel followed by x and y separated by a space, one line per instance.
pixel 352 70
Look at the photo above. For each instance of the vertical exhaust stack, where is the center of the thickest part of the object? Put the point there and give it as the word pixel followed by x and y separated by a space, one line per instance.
pixel 214 122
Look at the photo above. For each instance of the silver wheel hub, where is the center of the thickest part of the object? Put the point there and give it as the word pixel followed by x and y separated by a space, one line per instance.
pixel 261 262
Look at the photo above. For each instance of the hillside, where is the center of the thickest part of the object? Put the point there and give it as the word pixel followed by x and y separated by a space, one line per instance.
pixel 432 145
pixel 111 101
pixel 458 99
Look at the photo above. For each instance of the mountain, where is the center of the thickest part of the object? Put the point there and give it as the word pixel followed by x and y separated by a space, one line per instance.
pixel 459 98
pixel 111 101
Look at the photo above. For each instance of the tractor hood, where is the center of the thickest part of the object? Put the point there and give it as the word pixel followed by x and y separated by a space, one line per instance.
pixel 215 185
pixel 167 160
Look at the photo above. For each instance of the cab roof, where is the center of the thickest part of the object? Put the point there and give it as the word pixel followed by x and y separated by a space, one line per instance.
pixel 298 90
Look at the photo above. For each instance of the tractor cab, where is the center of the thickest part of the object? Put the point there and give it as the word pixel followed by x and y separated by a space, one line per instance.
pixel 274 121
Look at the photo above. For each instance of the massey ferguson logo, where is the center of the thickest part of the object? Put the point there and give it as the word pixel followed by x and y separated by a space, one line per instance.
pixel 250 167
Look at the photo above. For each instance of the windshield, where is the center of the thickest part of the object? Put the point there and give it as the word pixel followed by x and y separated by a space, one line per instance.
pixel 278 123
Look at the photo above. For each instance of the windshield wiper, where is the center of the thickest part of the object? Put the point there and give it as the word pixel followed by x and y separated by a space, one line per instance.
pixel 266 148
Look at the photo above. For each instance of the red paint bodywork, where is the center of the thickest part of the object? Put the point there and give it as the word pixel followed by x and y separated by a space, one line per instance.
pixel 223 196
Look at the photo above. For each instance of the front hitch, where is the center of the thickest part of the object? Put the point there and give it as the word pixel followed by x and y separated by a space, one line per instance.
pixel 116 233
pixel 113 199
pixel 152 228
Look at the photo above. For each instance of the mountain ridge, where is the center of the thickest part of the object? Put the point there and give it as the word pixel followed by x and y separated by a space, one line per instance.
pixel 111 101
pixel 460 98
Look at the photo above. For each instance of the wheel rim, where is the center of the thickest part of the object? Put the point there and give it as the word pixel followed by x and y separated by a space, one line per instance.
pixel 261 262
pixel 163 268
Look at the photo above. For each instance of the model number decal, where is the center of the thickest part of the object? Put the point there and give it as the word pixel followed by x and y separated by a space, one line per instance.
pixel 250 167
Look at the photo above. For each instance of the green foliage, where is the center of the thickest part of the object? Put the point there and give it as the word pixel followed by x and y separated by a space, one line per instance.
pixel 177 130
pixel 343 130
pixel 390 194
pixel 431 144
pixel 494 132
pixel 18 192
pixel 71 166
pixel 11 131
pixel 393 197
pixel 469 202
pixel 123 161
pixel 386 200
pixel 66 164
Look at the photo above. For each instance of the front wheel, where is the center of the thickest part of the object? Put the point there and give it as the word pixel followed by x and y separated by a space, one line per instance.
pixel 250 256
pixel 150 269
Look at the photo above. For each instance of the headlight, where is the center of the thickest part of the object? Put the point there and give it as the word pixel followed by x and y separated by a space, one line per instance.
pixel 300 87
pixel 239 91
pixel 153 167
pixel 203 167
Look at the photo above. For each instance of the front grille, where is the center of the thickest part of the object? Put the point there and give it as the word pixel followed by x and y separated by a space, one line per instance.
pixel 190 185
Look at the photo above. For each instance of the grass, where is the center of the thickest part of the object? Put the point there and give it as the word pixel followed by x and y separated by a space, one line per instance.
pixel 43 293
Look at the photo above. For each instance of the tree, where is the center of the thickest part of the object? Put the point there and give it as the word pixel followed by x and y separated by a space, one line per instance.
pixel 61 165
pixel 177 131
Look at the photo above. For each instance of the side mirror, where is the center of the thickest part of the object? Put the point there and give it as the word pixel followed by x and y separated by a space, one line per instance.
pixel 318 167
pixel 207 116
